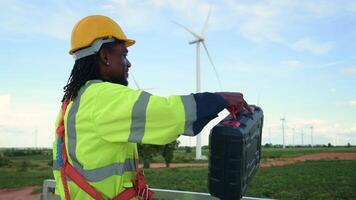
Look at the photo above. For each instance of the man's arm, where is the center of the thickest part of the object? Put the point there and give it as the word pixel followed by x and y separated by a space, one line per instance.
pixel 139 117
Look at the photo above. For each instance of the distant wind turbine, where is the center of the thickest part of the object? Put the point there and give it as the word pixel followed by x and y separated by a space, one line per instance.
pixel 311 136
pixel 198 40
pixel 283 120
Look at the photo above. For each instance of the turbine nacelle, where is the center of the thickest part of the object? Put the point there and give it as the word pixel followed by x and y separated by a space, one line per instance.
pixel 197 40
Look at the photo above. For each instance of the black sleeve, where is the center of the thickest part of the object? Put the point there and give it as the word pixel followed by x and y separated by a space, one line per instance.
pixel 208 107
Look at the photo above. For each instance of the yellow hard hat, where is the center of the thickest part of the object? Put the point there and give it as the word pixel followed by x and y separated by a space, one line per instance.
pixel 95 27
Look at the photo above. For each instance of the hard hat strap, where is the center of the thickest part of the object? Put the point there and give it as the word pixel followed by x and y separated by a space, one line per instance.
pixel 93 49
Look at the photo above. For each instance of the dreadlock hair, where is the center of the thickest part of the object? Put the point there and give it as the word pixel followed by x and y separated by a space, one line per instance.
pixel 84 69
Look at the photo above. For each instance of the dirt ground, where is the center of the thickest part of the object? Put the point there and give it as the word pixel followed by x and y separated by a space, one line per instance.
pixel 25 193
pixel 18 194
pixel 318 156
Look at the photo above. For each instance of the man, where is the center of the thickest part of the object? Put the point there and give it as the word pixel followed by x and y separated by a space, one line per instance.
pixel 102 119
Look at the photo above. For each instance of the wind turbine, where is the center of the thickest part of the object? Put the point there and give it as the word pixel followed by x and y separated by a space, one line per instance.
pixel 199 40
pixel 293 134
pixel 311 136
pixel 284 143
pixel 269 134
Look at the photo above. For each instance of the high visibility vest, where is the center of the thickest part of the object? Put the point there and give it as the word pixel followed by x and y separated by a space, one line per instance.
pixel 104 123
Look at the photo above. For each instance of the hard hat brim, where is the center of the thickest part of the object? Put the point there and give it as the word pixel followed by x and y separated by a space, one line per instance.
pixel 129 42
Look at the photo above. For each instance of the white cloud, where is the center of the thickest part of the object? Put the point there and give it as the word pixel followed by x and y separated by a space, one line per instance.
pixel 272 21
pixel 25 18
pixel 312 46
pixel 353 7
pixel 19 122
pixel 293 64
pixel 322 127
pixel 349 71
pixel 147 15
pixel 346 103
pixel 330 64
pixel 258 21
pixel 4 104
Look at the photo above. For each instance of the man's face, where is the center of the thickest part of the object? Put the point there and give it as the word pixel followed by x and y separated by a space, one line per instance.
pixel 118 67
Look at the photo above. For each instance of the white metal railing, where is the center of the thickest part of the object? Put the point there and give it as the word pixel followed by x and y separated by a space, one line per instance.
pixel 49 185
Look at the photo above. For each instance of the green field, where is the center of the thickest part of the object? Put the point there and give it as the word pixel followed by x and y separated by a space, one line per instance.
pixel 25 171
pixel 324 179
pixel 294 152
pixel 181 156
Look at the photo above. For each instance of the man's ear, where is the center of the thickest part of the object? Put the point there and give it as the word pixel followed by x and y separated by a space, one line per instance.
pixel 103 57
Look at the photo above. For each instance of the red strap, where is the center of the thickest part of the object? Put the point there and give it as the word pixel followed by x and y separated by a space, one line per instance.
pixel 78 179
pixel 60 132
pixel 65 184
pixel 140 188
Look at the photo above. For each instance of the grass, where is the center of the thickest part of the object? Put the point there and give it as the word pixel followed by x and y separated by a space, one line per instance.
pixel 325 179
pixel 188 179
pixel 180 156
pixel 294 152
pixel 33 173
pixel 16 179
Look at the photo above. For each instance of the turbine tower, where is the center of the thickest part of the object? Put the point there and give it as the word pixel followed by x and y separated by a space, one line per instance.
pixel 284 143
pixel 311 136
pixel 199 40
pixel 269 134
pixel 293 129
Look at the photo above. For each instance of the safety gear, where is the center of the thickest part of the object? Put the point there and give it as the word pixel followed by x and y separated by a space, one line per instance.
pixel 102 126
pixel 93 49
pixel 140 188
pixel 94 27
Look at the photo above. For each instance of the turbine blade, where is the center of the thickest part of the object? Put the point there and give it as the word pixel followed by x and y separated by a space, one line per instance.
pixel 187 29
pixel 206 24
pixel 133 77
pixel 212 63
pixel 146 89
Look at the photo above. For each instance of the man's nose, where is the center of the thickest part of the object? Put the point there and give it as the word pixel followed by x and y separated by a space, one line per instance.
pixel 128 63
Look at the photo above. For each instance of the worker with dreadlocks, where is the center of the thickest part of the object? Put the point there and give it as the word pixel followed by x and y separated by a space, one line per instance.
pixel 102 120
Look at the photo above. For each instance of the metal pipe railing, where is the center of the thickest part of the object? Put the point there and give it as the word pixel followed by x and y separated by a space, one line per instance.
pixel 49 185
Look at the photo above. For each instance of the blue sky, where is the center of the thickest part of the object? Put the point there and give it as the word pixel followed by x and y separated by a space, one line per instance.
pixel 296 58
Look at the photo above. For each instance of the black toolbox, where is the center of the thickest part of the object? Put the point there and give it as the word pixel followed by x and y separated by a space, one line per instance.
pixel 235 153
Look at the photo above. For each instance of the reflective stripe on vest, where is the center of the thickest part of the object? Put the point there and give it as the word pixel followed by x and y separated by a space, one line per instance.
pixel 98 174
pixel 190 110
pixel 139 118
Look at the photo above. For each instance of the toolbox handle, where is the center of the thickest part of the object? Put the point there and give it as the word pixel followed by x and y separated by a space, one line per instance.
pixel 234 113
pixel 233 121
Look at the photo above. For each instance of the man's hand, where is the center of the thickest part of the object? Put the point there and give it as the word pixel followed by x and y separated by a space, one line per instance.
pixel 235 100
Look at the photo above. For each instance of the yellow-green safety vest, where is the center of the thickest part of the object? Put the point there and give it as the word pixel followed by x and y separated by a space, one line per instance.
pixel 104 123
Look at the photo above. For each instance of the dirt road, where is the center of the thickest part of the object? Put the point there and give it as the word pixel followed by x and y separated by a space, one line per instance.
pixel 18 194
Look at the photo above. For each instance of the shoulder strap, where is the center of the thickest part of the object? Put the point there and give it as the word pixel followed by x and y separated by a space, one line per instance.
pixel 67 170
